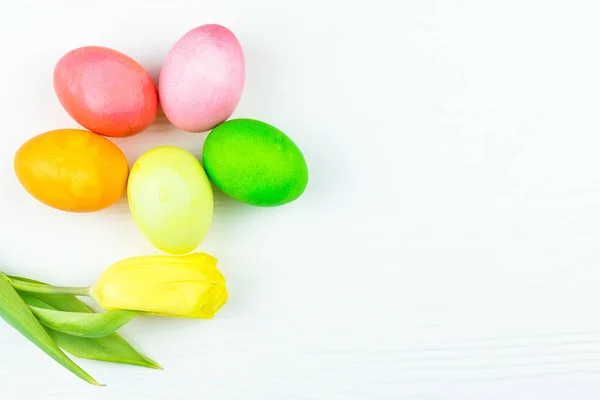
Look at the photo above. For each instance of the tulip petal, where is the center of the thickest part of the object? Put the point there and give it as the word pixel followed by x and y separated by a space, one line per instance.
pixel 92 325
pixel 112 348
pixel 18 315
pixel 187 286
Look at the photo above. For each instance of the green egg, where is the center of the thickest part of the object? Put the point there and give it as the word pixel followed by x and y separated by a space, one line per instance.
pixel 255 163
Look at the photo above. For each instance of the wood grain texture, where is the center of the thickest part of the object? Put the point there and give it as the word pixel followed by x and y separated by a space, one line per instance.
pixel 446 246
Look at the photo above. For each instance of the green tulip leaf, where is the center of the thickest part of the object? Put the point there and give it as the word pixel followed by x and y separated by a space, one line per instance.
pixel 112 348
pixel 18 315
pixel 62 302
pixel 92 325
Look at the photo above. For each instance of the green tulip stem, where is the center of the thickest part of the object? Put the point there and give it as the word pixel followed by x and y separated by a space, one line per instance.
pixel 40 288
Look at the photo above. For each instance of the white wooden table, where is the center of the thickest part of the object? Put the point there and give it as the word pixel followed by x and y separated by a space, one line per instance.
pixel 448 244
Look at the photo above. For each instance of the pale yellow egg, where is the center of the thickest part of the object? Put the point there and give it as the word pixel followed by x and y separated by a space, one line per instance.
pixel 171 199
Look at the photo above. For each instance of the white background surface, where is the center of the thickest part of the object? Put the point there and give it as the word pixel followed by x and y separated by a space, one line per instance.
pixel 447 246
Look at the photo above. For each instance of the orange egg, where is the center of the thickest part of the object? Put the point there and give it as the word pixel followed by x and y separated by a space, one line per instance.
pixel 72 170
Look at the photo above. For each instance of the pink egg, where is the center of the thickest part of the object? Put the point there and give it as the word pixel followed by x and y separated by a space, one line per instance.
pixel 202 78
pixel 106 91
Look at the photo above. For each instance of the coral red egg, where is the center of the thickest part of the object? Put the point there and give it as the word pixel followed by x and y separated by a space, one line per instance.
pixel 106 91
pixel 202 78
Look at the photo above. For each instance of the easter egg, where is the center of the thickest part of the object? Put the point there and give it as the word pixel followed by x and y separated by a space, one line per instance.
pixel 255 163
pixel 202 78
pixel 72 170
pixel 171 199
pixel 106 91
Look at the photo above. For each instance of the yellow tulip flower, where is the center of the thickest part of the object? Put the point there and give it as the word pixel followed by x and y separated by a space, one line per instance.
pixel 187 286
